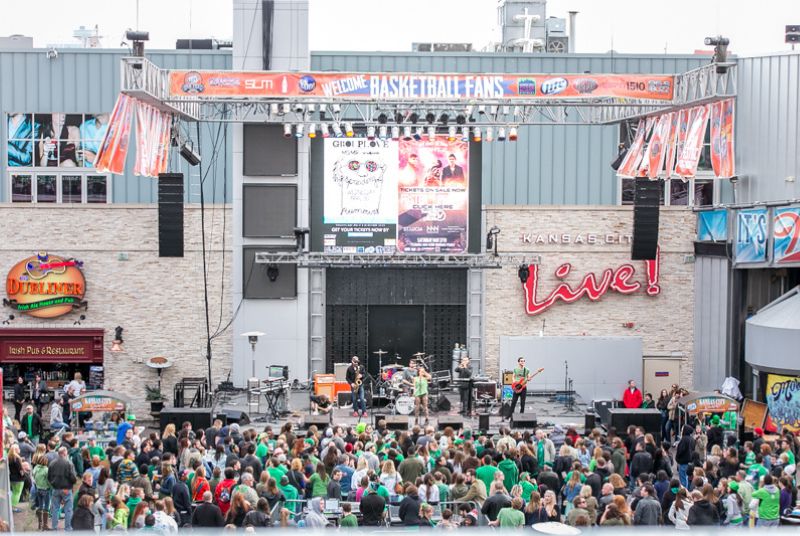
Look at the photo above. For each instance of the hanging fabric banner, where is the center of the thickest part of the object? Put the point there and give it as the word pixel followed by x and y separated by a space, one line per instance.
pixel 672 144
pixel 631 162
pixel 645 161
pixel 114 147
pixel 689 156
pixel 722 155
pixel 658 145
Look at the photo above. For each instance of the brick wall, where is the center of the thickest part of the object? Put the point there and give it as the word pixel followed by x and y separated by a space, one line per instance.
pixel 665 322
pixel 158 301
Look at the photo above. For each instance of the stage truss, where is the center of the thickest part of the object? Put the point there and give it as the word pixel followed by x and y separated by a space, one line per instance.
pixel 407 260
pixel 146 81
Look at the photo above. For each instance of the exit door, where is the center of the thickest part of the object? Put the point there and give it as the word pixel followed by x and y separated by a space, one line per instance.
pixel 396 329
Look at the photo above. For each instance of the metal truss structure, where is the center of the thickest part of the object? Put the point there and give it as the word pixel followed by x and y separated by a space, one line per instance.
pixel 146 81
pixel 406 260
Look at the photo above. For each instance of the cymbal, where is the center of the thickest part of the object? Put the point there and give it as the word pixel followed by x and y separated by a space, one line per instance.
pixel 418 354
pixel 380 352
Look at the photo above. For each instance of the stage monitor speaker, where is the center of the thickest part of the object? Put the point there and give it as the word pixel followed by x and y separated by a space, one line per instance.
pixel 483 422
pixel 524 420
pixel 199 417
pixel 589 421
pixel 647 198
pixel 170 215
pixel 649 419
pixel 222 417
pixel 601 407
pixel 235 416
pixel 454 422
pixel 320 421
pixel 393 422
pixel 442 403
pixel 344 398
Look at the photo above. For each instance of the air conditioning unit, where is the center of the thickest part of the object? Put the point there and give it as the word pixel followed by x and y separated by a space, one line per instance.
pixel 557 45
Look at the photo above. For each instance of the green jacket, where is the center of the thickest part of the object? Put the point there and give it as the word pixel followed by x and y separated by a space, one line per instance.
pixel 348 521
pixel 40 477
pixel 77 460
pixel 290 493
pixel 510 473
pixel 769 505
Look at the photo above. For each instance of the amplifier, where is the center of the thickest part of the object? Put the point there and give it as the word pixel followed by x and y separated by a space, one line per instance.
pixel 340 371
pixel 320 421
pixel 508 377
pixel 325 384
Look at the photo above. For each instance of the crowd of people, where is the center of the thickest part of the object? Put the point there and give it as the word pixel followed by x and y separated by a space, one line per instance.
pixel 227 476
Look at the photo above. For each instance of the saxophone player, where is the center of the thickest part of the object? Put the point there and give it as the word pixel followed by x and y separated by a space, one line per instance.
pixel 355 377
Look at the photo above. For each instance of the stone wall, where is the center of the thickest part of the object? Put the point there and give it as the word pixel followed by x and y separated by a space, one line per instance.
pixel 158 301
pixel 665 322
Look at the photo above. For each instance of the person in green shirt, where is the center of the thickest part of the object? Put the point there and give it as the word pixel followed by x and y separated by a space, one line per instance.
pixel 275 469
pixel 786 448
pixel 421 393
pixel 262 449
pixel 508 467
pixel 348 519
pixel 527 486
pixel 510 516
pixel 319 482
pixel 290 493
pixel 96 450
pixel 485 473
pixel 769 505
pixel 756 471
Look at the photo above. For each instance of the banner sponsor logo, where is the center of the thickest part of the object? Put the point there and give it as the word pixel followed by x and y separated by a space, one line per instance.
pixel 783 401
pixel 617 279
pixel 415 86
pixel 786 235
pixel 689 157
pixel 657 148
pixel 712 226
pixel 45 286
pixel 630 164
pixel 751 235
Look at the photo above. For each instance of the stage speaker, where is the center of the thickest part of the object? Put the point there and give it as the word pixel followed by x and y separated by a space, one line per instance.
pixel 222 417
pixel 601 408
pixel 235 416
pixel 649 419
pixel 442 403
pixel 589 421
pixel 523 420
pixel 393 422
pixel 646 201
pixel 199 417
pixel 483 422
pixel 454 422
pixel 343 398
pixel 320 421
pixel 170 215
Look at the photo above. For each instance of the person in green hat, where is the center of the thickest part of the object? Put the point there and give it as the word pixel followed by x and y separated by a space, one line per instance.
pixel 528 487
pixel 732 502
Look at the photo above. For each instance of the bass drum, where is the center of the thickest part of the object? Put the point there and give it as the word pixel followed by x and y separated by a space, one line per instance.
pixel 404 405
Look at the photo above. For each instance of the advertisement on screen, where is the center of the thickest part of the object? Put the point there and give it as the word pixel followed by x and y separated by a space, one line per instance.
pixel 385 196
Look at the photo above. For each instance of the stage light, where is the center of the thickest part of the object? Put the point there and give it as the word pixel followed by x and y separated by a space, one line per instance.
pixel 287 130
pixel 465 134
pixel 189 154
pixel 337 130
pixel 312 131
pixel 370 132
pixel 335 108
pixel 523 273
pixel 622 151
pixel 298 131
pixel 273 108
pixel 383 118
pixel 407 133
pixel 398 118
pixel 491 240
pixel 493 109
pixel 444 118
pixel 451 134
pixel 430 117
pixel 299 108
pixel 348 129
pixel 489 137
pixel 311 108
pixel 506 110
pixel 481 109
pixel 431 133
pixel 501 134
pixel 512 134
pixel 418 133
pixel 461 119
pixel 323 127
pixel 383 132
pixel 469 109
pixel 285 108
pixel 414 117
pixel 516 111
pixel 395 133
pixel 476 134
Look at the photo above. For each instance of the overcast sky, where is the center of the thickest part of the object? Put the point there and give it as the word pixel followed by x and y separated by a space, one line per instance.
pixel 631 26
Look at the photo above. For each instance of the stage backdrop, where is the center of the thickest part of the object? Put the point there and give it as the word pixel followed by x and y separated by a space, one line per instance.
pixel 599 366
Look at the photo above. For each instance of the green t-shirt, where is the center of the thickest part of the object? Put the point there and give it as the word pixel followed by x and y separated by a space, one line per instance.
pixel 790 455
pixel 485 474
pixel 420 386
pixel 770 502
pixel 520 373
pixel 511 517
pixel 527 489
pixel 276 473
pixel 261 452
pixel 756 471
pixel 383 492
pixel 348 521
pixel 97 451
pixel 319 487
pixel 750 458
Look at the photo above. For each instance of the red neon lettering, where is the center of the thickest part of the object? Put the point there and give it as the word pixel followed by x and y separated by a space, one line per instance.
pixel 618 279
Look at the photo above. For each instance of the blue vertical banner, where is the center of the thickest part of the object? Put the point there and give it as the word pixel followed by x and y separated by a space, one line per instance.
pixel 751 235
pixel 786 235
pixel 712 225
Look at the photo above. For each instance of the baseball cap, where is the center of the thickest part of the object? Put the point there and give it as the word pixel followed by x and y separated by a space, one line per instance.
pixel 733 485
pixel 22 435
pixel 130 417
pixel 758 431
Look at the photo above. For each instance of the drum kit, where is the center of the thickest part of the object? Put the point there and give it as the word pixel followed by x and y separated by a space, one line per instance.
pixel 392 384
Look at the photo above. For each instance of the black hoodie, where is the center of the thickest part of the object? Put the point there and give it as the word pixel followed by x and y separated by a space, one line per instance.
pixel 702 512
pixel 685 448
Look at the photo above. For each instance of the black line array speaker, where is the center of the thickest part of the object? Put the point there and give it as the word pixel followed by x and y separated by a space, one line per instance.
pixel 589 421
pixel 649 419
pixel 199 417
pixel 483 422
pixel 524 420
pixel 235 416
pixel 646 201
pixel 170 215
pixel 601 407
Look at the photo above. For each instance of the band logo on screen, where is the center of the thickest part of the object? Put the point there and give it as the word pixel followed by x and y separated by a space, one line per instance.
pixel 385 197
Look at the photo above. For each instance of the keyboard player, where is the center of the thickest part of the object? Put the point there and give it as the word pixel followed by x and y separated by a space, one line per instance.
pixel 464 379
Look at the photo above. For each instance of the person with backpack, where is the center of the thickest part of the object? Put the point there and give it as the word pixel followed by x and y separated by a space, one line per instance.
pixel 224 490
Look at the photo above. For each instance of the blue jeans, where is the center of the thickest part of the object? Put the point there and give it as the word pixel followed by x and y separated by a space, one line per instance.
pixel 57 499
pixel 357 398
pixel 767 522
pixel 43 500
pixel 684 478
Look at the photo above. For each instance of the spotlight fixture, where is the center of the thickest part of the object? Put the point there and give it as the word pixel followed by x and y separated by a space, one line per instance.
pixel 461 119
pixel 138 39
pixel 493 109
pixel 407 133
pixel 272 272
pixel 370 132
pixel 431 133
pixel 348 129
pixel 383 132
pixel 720 45
pixel 481 109
pixel 299 108
pixel 323 128
pixel 464 133
pixel 489 137
pixel 491 240
pixel 189 154
pixel 398 118
pixel 523 273
pixel 287 130
pixel 430 117
pixel 501 134
pixel 516 111
pixel 395 133
pixel 335 108
pixel 337 130
pixel 444 118
pixel 622 151
pixel 285 108
pixel 418 133
pixel 274 109
pixel 300 234
pixel 414 117
pixel 451 133
pixel 512 134
pixel 506 109
pixel 298 131
pixel 476 134
pixel 383 118
pixel 312 131
pixel 469 109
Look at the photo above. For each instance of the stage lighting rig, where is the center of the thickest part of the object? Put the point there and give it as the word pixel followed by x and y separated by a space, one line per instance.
pixel 720 45
pixel 491 240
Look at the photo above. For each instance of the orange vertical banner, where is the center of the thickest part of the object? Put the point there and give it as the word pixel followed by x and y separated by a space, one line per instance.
pixel 689 156
pixel 634 156
pixel 657 148
pixel 722 153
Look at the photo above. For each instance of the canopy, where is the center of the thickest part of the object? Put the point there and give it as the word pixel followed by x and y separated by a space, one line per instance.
pixel 709 402
pixel 772 335
pixel 100 401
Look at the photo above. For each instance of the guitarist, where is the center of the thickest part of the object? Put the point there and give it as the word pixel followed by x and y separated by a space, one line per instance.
pixel 520 373
pixel 355 377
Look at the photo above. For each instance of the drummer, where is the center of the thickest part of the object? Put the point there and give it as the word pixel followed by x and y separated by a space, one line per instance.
pixel 409 373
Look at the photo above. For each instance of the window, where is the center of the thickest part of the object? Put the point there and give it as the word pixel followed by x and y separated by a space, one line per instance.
pixel 49 187
pixel 676 192
pixel 55 139
pixel 71 189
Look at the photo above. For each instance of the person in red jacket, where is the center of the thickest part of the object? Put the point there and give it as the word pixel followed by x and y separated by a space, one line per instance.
pixel 633 397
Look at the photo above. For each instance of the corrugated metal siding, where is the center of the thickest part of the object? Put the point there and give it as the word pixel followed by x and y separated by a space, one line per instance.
pixel 768 128
pixel 549 164
pixel 710 322
pixel 87 81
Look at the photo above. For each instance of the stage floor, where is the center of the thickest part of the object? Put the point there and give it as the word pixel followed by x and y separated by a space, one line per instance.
pixel 549 411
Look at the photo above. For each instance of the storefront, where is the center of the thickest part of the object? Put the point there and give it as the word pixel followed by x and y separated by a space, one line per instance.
pixel 580 284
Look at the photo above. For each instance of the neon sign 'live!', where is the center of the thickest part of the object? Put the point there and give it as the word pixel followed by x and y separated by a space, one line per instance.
pixel 616 279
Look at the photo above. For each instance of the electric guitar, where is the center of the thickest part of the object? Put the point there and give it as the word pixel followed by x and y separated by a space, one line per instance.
pixel 522 383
